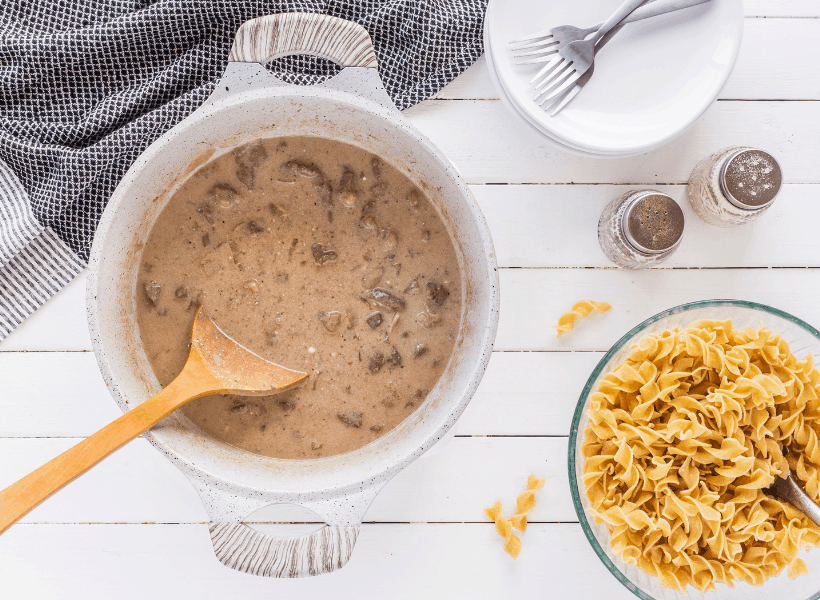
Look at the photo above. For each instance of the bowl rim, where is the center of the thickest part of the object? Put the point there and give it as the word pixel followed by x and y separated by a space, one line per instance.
pixel 581 405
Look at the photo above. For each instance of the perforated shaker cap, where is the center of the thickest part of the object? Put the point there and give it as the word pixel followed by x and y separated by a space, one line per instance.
pixel 751 179
pixel 653 222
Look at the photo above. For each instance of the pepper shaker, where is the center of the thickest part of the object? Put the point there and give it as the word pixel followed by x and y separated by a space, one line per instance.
pixel 640 229
pixel 734 186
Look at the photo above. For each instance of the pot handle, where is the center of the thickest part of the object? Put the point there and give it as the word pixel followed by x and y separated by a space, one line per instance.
pixel 245 549
pixel 242 548
pixel 344 42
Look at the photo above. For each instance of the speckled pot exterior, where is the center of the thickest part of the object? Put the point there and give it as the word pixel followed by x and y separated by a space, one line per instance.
pixel 250 103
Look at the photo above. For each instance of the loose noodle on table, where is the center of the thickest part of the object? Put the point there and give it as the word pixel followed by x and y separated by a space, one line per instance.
pixel 683 438
pixel 566 322
pixel 525 503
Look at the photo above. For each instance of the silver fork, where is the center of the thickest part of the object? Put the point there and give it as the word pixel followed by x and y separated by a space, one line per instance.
pixel 551 41
pixel 574 59
pixel 560 101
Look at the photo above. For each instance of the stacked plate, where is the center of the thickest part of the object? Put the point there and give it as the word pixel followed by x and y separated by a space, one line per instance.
pixel 652 81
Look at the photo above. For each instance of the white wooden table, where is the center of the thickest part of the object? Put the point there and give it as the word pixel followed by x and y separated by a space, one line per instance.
pixel 134 526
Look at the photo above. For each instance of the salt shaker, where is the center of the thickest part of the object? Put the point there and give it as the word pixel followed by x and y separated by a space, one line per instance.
pixel 640 229
pixel 734 186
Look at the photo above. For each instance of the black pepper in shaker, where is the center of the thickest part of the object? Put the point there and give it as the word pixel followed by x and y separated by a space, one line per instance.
pixel 734 186
pixel 640 229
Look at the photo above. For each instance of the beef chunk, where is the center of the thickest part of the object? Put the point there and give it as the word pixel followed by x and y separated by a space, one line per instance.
pixel 420 351
pixel 375 360
pixel 436 292
pixel 395 358
pixel 351 418
pixel 374 320
pixel 254 228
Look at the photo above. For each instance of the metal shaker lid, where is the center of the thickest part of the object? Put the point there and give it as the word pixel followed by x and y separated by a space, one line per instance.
pixel 653 222
pixel 751 179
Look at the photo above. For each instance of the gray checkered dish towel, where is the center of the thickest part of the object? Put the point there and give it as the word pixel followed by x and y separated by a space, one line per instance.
pixel 87 85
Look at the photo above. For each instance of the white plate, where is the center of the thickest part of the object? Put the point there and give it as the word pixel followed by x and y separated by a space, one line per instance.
pixel 652 81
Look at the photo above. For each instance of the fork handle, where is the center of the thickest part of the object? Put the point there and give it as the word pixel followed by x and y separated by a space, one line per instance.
pixel 657 8
pixel 624 10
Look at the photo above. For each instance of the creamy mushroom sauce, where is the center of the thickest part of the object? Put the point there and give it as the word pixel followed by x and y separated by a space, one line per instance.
pixel 321 257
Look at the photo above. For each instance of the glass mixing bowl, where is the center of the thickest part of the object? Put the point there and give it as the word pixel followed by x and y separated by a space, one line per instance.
pixel 802 339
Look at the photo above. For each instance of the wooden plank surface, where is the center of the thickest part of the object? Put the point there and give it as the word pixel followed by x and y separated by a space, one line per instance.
pixel 138 485
pixel 533 299
pixel 488 145
pixel 522 393
pixel 561 228
pixel 395 561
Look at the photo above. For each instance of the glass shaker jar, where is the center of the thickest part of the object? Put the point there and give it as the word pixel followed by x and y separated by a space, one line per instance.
pixel 734 186
pixel 640 229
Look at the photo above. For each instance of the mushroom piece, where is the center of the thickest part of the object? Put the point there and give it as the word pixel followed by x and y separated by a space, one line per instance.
pixel 153 291
pixel 395 358
pixel 374 320
pixel 330 320
pixel 322 256
pixel 420 350
pixel 301 169
pixel 351 418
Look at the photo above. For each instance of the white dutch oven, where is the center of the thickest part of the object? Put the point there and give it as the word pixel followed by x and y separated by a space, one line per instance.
pixel 250 103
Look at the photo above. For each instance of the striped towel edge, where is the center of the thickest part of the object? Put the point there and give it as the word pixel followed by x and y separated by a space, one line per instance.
pixel 38 271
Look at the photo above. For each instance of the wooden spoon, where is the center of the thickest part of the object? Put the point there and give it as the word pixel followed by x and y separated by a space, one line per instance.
pixel 216 365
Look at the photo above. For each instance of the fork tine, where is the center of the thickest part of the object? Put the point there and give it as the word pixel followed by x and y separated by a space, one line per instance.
pixel 555 81
pixel 568 82
pixel 548 81
pixel 567 99
pixel 546 68
pixel 547 40
pixel 536 51
pixel 533 36
pixel 540 59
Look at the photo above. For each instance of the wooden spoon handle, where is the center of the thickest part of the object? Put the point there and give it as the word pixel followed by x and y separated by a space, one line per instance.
pixel 19 498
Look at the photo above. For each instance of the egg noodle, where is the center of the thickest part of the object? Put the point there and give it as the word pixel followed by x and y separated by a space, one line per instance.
pixel 566 322
pixel 683 438
pixel 525 503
